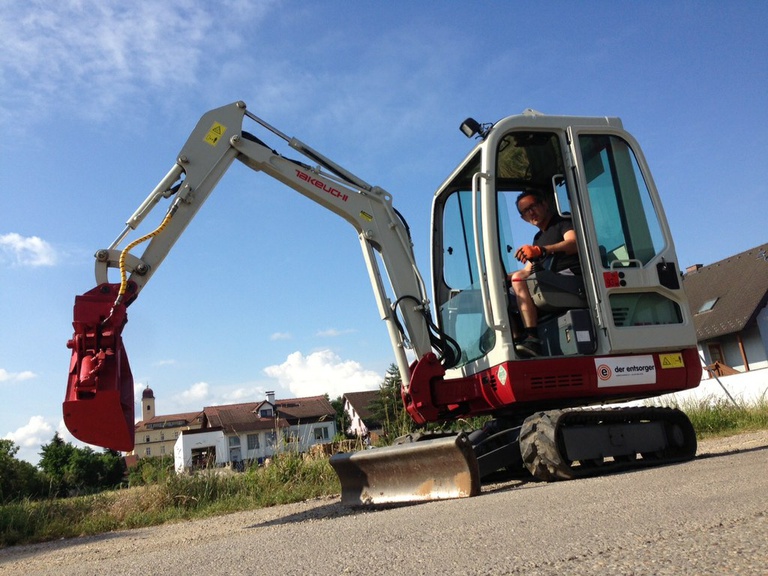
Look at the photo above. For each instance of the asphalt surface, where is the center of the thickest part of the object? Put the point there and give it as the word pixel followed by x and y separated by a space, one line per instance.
pixel 707 516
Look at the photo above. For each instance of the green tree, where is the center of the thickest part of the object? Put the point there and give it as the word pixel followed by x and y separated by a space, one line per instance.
pixel 7 469
pixel 112 468
pixel 79 469
pixel 18 479
pixel 342 419
pixel 54 460
pixel 388 407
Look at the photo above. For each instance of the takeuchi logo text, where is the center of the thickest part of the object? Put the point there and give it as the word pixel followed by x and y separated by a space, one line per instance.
pixel 327 188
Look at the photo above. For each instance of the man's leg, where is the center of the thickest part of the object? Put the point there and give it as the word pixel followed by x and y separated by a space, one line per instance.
pixel 528 310
pixel 531 345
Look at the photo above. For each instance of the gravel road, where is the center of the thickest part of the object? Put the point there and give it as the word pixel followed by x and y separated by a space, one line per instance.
pixel 707 516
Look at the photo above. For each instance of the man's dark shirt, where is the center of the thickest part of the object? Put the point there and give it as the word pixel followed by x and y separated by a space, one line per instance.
pixel 558 226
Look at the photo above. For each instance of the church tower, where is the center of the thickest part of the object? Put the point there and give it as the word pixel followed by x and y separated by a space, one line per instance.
pixel 147 404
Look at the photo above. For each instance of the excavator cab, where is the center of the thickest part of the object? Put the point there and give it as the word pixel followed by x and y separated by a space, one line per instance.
pixel 627 298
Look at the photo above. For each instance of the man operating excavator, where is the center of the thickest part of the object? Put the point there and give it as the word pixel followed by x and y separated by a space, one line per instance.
pixel 555 238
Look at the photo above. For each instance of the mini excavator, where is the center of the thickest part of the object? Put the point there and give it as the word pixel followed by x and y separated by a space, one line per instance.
pixel 620 331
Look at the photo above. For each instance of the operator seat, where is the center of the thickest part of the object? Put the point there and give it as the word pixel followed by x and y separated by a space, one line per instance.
pixel 552 291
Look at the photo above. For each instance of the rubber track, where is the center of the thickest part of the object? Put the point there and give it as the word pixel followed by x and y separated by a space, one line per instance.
pixel 538 447
pixel 542 456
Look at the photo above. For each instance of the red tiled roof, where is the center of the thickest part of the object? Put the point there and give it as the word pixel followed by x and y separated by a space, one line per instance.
pixel 246 416
pixel 239 418
pixel 169 420
pixel 311 408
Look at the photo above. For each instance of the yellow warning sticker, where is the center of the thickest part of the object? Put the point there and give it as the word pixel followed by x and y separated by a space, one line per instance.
pixel 671 360
pixel 215 134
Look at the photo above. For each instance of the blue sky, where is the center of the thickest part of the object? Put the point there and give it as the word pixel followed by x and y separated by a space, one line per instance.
pixel 267 291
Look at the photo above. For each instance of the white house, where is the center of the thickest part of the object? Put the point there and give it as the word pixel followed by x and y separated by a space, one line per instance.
pixel 254 431
pixel 200 448
pixel 357 407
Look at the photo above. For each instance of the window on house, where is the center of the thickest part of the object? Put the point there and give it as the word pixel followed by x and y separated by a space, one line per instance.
pixel 271 439
pixel 234 441
pixel 290 436
pixel 266 413
pixel 708 305
pixel 162 436
pixel 321 433
pixel 716 353
pixel 148 451
pixel 146 438
pixel 253 441
pixel 162 449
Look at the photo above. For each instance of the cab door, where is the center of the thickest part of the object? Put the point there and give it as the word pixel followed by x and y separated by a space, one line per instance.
pixel 635 275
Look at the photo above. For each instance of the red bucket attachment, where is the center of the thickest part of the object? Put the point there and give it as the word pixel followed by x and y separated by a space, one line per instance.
pixel 99 405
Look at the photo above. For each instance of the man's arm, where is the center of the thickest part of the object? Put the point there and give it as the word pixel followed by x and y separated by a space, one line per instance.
pixel 566 246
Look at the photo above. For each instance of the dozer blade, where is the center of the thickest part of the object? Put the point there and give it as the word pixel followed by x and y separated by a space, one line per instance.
pixel 415 472
pixel 99 407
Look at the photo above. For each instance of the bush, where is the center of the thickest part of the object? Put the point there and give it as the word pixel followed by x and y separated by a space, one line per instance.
pixel 150 471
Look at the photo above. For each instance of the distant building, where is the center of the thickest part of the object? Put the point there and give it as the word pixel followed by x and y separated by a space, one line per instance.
pixel 728 301
pixel 254 431
pixel 156 435
pixel 361 419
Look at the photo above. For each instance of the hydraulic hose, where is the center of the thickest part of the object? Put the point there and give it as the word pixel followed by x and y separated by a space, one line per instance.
pixel 121 261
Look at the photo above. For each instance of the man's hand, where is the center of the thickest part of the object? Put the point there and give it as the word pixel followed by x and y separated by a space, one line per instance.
pixel 528 252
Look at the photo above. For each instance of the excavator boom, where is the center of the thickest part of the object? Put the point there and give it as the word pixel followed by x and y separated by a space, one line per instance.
pixel 98 408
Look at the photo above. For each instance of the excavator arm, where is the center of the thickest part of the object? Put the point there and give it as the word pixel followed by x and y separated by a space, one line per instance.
pixel 98 408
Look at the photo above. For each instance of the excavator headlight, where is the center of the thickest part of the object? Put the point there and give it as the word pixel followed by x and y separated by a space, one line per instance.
pixel 470 127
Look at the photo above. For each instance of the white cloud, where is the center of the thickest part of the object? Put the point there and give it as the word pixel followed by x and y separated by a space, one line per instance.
pixel 322 372
pixel 196 395
pixel 30 437
pixel 254 394
pixel 91 54
pixel 334 332
pixel 280 336
pixel 6 376
pixel 26 251
pixel 92 45
pixel 32 433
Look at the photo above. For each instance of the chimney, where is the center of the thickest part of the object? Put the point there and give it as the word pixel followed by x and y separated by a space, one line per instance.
pixel 694 268
pixel 271 397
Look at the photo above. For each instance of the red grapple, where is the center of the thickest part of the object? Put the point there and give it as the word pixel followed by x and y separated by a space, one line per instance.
pixel 99 406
